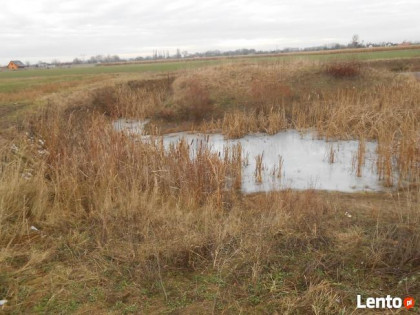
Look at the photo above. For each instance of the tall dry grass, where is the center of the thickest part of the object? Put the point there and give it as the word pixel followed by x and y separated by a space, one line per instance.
pixel 144 98
pixel 135 221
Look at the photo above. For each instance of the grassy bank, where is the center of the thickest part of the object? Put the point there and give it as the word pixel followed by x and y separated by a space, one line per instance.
pixel 92 221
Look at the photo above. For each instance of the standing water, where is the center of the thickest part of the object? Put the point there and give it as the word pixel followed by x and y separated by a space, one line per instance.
pixel 287 159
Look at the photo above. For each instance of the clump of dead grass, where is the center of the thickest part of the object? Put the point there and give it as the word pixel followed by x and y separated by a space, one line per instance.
pixel 144 98
pixel 343 69
pixel 192 99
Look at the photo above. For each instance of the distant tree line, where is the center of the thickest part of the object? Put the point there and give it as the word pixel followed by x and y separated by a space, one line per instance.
pixel 165 54
pixel 99 59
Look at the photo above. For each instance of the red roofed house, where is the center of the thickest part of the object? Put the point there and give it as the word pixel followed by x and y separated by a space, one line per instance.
pixel 15 64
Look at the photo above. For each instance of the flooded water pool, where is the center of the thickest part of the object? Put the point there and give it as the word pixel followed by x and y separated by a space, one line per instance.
pixel 289 159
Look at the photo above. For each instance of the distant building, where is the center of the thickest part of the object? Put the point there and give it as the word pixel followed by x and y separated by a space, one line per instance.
pixel 15 64
pixel 404 44
pixel 45 65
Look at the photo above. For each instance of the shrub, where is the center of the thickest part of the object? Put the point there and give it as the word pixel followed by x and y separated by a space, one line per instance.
pixel 400 66
pixel 194 100
pixel 268 94
pixel 104 100
pixel 344 69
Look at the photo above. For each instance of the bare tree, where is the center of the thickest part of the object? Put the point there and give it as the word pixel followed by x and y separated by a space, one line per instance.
pixel 355 41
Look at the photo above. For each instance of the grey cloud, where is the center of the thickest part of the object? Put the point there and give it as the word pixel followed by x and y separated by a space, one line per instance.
pixel 67 29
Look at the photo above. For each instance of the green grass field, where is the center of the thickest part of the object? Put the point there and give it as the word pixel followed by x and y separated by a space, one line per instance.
pixel 95 70
pixel 389 54
pixel 173 66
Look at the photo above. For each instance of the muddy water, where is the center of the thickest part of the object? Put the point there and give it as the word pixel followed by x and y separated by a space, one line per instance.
pixel 307 162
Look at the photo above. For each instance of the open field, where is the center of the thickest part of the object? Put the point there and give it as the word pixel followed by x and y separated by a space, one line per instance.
pixel 153 66
pixel 18 81
pixel 172 65
pixel 18 89
pixel 13 82
pixel 94 220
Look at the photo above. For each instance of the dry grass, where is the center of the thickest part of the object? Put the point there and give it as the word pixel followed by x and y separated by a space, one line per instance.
pixel 125 226
pixel 36 88
pixel 192 99
pixel 343 69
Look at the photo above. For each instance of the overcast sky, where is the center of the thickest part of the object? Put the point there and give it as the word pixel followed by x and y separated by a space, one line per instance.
pixel 57 29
